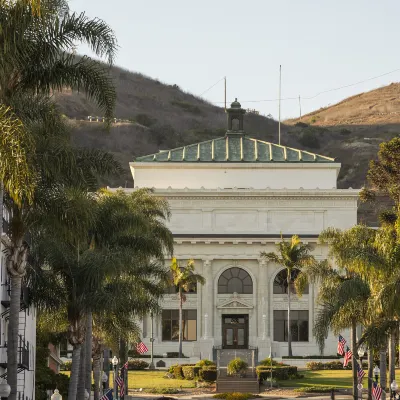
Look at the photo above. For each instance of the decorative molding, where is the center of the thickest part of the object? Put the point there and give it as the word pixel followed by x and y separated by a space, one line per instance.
pixel 235 302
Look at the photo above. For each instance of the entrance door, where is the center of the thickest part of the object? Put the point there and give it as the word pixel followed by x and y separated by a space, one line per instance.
pixel 235 331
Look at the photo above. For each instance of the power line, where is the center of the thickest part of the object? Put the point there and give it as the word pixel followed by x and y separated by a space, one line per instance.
pixel 216 83
pixel 316 95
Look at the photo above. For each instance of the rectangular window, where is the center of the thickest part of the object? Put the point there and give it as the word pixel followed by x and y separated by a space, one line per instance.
pixel 298 325
pixel 170 325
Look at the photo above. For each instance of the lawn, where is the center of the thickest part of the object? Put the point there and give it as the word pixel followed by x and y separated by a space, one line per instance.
pixel 336 378
pixel 152 379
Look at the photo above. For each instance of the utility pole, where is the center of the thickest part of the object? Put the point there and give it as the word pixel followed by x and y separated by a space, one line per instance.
pixel 279 126
pixel 225 91
pixel 300 106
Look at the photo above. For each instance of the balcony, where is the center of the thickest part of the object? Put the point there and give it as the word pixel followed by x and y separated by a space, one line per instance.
pixel 23 354
pixel 25 299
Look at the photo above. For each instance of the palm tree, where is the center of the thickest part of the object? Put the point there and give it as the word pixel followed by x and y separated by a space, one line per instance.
pixel 184 280
pixel 58 170
pixel 293 256
pixel 36 57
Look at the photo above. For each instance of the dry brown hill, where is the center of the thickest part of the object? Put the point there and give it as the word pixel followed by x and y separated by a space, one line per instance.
pixel 379 106
pixel 160 116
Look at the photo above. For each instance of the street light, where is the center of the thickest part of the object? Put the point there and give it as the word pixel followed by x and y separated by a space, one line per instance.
pixel 361 354
pixel 393 386
pixel 5 389
pixel 360 389
pixel 87 395
pixel 376 373
pixel 115 363
pixel 104 379
pixel 56 395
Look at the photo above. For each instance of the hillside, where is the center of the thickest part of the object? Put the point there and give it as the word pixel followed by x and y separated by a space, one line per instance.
pixel 159 116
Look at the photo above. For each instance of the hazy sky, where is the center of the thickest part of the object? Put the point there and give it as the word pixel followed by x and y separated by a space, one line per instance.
pixel 321 45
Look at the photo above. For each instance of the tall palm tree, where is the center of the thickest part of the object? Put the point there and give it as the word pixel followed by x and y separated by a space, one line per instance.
pixel 184 279
pixel 292 255
pixel 36 57
pixel 59 171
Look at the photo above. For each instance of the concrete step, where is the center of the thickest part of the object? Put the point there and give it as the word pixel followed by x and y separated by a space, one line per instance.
pixel 241 385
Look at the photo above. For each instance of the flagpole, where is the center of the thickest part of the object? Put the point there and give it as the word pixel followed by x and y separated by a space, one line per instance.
pixel 151 366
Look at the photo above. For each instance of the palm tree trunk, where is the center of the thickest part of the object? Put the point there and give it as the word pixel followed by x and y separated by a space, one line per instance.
pixel 96 374
pixel 353 364
pixel 370 372
pixel 392 358
pixel 12 345
pixel 88 352
pixel 76 362
pixel 180 322
pixel 289 275
pixel 123 352
pixel 81 380
pixel 382 366
pixel 106 365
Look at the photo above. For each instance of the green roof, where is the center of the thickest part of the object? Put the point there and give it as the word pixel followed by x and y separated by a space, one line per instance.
pixel 234 148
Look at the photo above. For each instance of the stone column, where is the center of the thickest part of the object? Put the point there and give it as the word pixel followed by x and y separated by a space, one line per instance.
pixel 262 297
pixel 208 300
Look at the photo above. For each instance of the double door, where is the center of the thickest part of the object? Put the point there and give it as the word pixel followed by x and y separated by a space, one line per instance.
pixel 235 331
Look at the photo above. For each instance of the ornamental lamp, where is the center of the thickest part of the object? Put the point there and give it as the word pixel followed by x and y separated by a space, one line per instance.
pixel 5 389
pixel 87 395
pixel 114 361
pixel 360 352
pixel 56 395
pixel 394 386
pixel 104 377
pixel 376 372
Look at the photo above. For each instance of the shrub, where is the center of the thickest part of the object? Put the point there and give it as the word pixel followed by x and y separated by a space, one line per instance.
pixel 188 372
pixel 174 354
pixel 301 124
pixel 204 363
pixel 309 138
pixel 208 374
pixel 164 390
pixel 345 131
pixel 315 365
pixel 134 365
pixel 145 120
pixel 267 362
pixel 178 372
pixel 235 396
pixel 237 366
pixel 319 357
pixel 171 368
pixel 279 373
pixel 315 389
pixel 66 366
pixel 187 107
pixel 334 365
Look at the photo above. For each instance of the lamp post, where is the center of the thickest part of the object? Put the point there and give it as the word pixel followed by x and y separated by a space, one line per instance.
pixel 151 366
pixel 115 363
pixel 376 373
pixel 104 379
pixel 5 389
pixel 87 395
pixel 393 389
pixel 361 355
pixel 56 395
pixel 360 389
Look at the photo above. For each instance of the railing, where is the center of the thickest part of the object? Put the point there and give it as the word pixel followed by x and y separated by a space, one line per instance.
pixel 23 353
pixel 222 357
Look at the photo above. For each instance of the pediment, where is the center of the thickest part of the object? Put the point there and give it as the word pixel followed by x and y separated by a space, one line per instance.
pixel 235 303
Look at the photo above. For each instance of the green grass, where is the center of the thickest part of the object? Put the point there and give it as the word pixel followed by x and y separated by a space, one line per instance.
pixel 336 378
pixel 152 379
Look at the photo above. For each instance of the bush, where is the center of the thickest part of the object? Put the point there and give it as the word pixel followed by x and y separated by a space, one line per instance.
pixel 134 365
pixel 205 363
pixel 309 138
pixel 315 389
pixel 187 107
pixel 345 131
pixel 66 366
pixel 279 373
pixel 309 357
pixel 301 124
pixel 164 390
pixel 145 120
pixel 267 362
pixel 235 396
pixel 188 372
pixel 174 354
pixel 178 374
pixel 171 368
pixel 237 366
pixel 315 365
pixel 208 374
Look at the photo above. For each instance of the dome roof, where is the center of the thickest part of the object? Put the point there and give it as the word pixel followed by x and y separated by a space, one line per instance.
pixel 236 104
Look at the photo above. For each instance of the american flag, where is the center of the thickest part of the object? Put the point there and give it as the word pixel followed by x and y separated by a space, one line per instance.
pixel 141 348
pixel 107 395
pixel 340 345
pixel 125 366
pixel 376 391
pixel 360 373
pixel 347 357
pixel 120 383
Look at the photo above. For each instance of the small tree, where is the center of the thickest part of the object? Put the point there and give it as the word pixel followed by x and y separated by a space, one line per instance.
pixel 184 279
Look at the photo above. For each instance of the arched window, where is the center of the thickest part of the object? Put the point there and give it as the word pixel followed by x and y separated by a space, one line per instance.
pixel 235 280
pixel 281 284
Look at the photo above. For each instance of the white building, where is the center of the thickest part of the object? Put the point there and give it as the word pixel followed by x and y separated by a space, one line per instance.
pixel 27 327
pixel 232 198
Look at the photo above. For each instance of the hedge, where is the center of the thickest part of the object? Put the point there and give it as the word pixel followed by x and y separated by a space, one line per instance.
pixel 190 371
pixel 310 357
pixel 135 365
pixel 333 365
pixel 279 373
pixel 208 374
